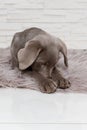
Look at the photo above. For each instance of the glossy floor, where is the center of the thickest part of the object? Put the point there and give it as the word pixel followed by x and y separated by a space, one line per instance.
pixel 28 106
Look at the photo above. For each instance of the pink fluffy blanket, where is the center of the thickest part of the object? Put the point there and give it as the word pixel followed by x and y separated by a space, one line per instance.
pixel 76 73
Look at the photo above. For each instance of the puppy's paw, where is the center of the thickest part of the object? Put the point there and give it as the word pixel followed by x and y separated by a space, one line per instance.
pixel 63 83
pixel 48 86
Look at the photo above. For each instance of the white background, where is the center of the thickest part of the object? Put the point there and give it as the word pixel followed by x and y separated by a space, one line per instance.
pixel 66 19
pixel 20 109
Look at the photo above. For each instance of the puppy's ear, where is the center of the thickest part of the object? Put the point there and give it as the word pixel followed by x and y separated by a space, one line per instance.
pixel 65 59
pixel 28 54
pixel 63 49
pixel 64 52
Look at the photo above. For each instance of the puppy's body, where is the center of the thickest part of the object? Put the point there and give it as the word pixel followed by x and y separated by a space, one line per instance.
pixel 37 49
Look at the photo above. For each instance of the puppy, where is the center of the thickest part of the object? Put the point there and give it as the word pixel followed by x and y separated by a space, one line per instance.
pixel 36 49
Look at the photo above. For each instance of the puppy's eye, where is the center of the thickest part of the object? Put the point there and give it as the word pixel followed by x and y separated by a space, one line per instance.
pixel 42 64
pixel 46 63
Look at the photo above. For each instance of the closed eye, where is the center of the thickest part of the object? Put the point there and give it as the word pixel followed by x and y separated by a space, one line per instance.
pixel 43 63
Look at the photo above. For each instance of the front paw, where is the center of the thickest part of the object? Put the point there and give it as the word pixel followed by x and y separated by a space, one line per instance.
pixel 63 83
pixel 48 86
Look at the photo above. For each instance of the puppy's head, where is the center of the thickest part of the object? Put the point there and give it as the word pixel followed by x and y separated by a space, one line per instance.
pixel 41 58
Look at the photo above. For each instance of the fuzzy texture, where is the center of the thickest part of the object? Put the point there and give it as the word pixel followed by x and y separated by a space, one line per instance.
pixel 76 72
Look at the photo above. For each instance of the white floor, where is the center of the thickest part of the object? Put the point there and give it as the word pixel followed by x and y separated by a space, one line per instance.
pixel 23 109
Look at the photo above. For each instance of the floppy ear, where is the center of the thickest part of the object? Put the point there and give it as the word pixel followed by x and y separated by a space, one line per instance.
pixel 63 49
pixel 64 52
pixel 28 54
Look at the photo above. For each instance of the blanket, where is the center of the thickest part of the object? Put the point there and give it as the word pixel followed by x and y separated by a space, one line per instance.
pixel 76 72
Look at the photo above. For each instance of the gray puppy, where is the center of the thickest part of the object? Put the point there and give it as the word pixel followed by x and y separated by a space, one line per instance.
pixel 36 49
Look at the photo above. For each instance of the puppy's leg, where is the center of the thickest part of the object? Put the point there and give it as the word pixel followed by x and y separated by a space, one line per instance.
pixel 59 79
pixel 46 85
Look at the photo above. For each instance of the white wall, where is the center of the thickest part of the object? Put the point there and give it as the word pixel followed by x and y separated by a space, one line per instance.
pixel 66 19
